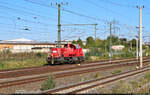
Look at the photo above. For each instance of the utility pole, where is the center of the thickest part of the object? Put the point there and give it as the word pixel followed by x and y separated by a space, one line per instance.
pixel 110 46
pixel 137 48
pixel 59 28
pixel 140 30
pixel 59 25
pixel 95 31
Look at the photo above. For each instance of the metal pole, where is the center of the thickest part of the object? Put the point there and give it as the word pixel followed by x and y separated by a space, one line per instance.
pixel 110 48
pixel 137 49
pixel 140 32
pixel 59 28
pixel 95 31
pixel 141 60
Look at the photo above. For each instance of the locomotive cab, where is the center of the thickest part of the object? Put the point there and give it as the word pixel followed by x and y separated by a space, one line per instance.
pixel 70 53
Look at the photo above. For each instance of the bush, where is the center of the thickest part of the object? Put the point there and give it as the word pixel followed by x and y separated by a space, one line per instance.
pixel 49 83
pixel 94 52
pixel 97 75
pixel 6 51
pixel 1 65
pixel 116 71
pixel 38 54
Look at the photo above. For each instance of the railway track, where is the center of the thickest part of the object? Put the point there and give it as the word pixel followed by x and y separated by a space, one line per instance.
pixel 65 74
pixel 84 87
pixel 36 67
pixel 51 69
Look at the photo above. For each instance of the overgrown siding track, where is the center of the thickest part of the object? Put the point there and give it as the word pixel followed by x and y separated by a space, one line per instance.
pixel 84 87
pixel 65 74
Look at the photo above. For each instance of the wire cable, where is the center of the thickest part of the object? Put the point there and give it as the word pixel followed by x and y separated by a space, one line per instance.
pixel 69 11
pixel 118 4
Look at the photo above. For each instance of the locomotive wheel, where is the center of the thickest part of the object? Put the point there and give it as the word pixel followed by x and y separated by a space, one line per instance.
pixel 71 61
pixel 78 61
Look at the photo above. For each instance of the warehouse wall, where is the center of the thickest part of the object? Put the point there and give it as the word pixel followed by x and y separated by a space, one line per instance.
pixel 17 48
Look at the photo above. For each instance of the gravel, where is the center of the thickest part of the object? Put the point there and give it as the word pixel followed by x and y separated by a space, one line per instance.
pixel 60 82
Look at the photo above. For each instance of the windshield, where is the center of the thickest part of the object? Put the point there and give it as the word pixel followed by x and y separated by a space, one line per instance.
pixel 78 47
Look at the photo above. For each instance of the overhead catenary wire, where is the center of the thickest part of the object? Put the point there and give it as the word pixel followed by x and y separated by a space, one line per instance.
pixel 72 12
pixel 25 10
pixel 22 11
pixel 26 27
pixel 107 9
pixel 23 27
pixel 69 11
pixel 20 31
pixel 22 19
pixel 75 13
pixel 82 31
pixel 44 24
pixel 147 11
pixel 119 4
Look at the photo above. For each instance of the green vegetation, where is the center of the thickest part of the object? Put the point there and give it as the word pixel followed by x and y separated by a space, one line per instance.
pixel 97 75
pixel 99 49
pixel 38 54
pixel 82 79
pixel 20 60
pixel 134 83
pixel 123 87
pixel 49 83
pixel 129 86
pixel 116 71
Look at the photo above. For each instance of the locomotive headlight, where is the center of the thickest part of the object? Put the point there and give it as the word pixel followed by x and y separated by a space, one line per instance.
pixel 54 51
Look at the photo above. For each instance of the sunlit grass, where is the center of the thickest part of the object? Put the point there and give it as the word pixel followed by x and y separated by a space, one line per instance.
pixel 13 61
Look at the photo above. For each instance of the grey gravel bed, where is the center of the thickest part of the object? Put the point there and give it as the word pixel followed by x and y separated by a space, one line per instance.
pixel 60 82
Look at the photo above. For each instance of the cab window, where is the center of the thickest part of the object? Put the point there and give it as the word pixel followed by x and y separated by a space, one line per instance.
pixel 78 47
pixel 72 46
pixel 65 46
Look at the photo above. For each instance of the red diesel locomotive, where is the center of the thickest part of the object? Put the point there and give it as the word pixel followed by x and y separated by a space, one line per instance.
pixel 70 53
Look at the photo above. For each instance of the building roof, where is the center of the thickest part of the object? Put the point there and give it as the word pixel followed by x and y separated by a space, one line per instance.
pixel 20 40
pixel 25 41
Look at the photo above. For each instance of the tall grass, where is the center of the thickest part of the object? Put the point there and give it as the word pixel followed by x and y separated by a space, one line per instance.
pixel 21 60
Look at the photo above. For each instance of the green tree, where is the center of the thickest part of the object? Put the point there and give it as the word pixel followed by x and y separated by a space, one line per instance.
pixel 133 41
pixel 79 41
pixel 123 41
pixel 114 39
pixel 90 42
pixel 98 43
pixel 105 45
pixel 74 42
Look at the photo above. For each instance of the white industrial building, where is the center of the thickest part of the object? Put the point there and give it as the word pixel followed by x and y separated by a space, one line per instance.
pixel 118 47
pixel 25 45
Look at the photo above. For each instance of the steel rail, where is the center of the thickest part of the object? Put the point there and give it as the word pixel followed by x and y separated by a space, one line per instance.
pixel 122 75
pixel 60 75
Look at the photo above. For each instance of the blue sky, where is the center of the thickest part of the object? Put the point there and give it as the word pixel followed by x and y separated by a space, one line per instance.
pixel 41 19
